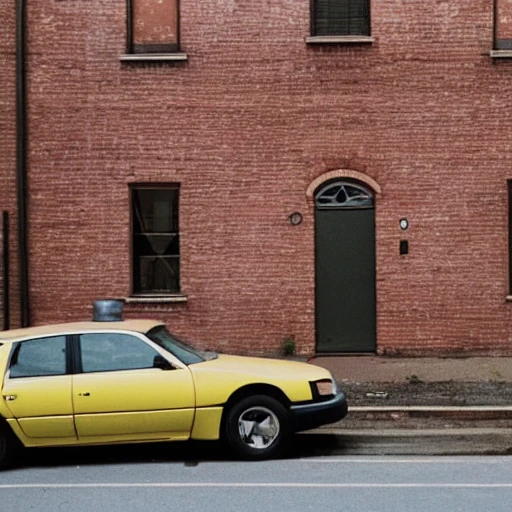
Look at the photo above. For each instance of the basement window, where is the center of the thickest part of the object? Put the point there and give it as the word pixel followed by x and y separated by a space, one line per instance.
pixel 155 240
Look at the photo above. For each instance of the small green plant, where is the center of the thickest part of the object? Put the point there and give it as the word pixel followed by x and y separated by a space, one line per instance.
pixel 289 346
pixel 497 375
pixel 413 379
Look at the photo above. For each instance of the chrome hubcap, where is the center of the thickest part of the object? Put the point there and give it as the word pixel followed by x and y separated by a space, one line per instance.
pixel 258 427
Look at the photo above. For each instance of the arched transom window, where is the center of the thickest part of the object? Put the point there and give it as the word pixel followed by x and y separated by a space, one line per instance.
pixel 343 194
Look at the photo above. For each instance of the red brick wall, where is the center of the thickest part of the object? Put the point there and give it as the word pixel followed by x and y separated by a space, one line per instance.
pixel 244 126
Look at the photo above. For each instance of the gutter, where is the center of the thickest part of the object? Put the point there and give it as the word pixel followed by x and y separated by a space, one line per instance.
pixel 21 161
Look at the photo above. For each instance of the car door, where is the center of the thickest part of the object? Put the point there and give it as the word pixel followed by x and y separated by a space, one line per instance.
pixel 119 394
pixel 37 389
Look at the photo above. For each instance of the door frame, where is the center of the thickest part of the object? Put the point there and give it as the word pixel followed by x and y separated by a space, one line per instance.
pixel 372 187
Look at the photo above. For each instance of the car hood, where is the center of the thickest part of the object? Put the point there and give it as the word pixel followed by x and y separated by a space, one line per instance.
pixel 217 379
pixel 259 366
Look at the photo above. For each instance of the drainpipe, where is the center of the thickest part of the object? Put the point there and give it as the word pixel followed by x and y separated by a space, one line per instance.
pixel 5 265
pixel 21 161
pixel 494 23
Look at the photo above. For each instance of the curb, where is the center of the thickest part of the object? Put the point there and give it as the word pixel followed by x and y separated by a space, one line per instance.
pixel 465 441
pixel 416 430
pixel 432 408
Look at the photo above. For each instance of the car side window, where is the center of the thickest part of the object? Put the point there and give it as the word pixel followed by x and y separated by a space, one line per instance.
pixel 39 357
pixel 106 352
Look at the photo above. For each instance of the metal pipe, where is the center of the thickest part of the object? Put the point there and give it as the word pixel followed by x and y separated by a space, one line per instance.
pixel 5 265
pixel 21 161
pixel 494 25
pixel 129 28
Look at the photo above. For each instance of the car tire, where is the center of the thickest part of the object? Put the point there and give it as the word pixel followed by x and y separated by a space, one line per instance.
pixel 256 427
pixel 9 446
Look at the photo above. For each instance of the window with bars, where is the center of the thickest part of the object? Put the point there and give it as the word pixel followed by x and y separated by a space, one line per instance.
pixel 340 18
pixel 155 240
pixel 153 26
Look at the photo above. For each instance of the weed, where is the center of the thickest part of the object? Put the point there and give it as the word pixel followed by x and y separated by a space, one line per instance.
pixel 289 346
pixel 413 379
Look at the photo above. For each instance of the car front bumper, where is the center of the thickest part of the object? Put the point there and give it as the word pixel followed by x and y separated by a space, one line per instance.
pixel 315 414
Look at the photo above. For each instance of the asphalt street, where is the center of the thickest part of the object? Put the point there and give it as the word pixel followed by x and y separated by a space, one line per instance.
pixel 99 480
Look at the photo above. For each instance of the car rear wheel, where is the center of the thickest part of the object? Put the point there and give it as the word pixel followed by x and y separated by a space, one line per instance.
pixel 256 427
pixel 9 445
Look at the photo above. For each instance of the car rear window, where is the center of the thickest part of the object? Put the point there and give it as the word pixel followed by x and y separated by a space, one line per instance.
pixel 35 358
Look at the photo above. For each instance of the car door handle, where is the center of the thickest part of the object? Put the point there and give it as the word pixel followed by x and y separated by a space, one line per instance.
pixel 84 394
pixel 9 398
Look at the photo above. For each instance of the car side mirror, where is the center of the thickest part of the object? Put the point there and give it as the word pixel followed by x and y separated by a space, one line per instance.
pixel 162 363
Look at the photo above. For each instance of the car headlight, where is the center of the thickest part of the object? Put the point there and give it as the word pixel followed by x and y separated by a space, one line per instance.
pixel 324 387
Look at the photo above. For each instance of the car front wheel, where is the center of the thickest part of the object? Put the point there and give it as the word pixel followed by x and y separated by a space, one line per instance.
pixel 256 427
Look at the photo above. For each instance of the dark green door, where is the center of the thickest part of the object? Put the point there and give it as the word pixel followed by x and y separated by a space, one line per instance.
pixel 345 269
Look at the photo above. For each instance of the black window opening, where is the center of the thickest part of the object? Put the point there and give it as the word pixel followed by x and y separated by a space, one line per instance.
pixel 153 27
pixel 155 241
pixel 340 18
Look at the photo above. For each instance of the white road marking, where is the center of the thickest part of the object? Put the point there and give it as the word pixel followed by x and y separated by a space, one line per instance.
pixel 417 408
pixel 245 485
pixel 409 461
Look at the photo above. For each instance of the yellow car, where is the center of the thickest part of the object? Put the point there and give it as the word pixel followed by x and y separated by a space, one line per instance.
pixel 133 381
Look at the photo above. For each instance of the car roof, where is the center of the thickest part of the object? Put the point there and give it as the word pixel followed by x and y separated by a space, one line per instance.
pixel 141 326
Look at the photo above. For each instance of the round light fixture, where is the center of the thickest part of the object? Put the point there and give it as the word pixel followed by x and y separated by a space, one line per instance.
pixel 295 218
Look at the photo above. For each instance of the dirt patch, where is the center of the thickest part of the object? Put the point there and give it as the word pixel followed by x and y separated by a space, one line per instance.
pixel 449 393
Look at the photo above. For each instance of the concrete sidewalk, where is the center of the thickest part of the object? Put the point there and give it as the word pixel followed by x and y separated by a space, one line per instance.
pixel 428 369
pixel 427 406
pixel 374 380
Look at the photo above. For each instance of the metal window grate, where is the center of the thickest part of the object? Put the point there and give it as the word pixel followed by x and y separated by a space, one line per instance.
pixel 342 194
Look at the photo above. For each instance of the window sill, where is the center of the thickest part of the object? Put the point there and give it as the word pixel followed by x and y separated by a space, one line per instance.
pixel 339 39
pixel 508 298
pixel 501 54
pixel 153 57
pixel 156 299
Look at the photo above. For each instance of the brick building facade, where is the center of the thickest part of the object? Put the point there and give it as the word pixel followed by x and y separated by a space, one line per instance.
pixel 167 152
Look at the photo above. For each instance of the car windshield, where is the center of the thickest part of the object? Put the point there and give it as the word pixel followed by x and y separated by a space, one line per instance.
pixel 184 352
